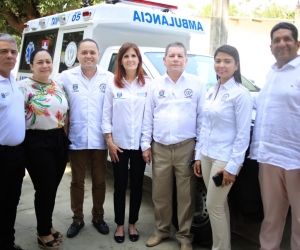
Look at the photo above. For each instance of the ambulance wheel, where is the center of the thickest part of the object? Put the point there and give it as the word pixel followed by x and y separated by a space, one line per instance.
pixel 201 225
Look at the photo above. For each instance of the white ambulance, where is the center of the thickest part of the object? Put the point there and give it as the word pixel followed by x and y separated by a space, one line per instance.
pixel 142 22
pixel 152 26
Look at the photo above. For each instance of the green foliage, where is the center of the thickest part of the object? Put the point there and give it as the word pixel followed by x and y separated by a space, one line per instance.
pixel 273 11
pixel 14 13
pixel 206 10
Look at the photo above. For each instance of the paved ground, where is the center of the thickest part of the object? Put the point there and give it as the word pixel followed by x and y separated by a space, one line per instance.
pixel 90 239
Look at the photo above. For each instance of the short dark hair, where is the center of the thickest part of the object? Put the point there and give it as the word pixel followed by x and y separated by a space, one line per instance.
pixel 88 40
pixel 288 26
pixel 33 54
pixel 230 50
pixel 176 44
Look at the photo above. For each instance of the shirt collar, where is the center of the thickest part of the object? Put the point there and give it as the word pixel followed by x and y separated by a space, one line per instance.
pixel 294 63
pixel 227 85
pixel 166 76
pixel 11 77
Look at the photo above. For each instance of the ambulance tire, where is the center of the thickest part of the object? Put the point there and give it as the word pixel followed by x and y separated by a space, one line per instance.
pixel 201 227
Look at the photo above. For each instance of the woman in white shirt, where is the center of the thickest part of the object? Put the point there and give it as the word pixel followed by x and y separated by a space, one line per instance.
pixel 224 139
pixel 123 110
pixel 46 143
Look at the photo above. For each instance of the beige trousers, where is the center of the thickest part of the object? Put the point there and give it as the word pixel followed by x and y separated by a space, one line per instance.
pixel 279 189
pixel 217 204
pixel 166 160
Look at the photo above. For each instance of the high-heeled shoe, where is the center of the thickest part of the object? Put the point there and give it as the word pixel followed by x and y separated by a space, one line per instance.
pixel 56 236
pixel 47 245
pixel 119 239
pixel 133 237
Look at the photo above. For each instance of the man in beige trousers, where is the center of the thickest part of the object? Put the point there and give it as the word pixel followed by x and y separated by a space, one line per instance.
pixel 171 127
pixel 276 139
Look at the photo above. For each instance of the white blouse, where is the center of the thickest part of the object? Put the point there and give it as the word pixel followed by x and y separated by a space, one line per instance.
pixel 123 112
pixel 225 131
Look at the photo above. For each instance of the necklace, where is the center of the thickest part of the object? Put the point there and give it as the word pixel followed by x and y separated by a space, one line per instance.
pixel 43 83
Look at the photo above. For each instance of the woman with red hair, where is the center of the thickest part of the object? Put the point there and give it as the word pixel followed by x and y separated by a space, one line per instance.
pixel 123 110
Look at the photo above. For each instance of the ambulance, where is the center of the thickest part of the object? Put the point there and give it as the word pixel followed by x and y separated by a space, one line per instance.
pixel 152 26
pixel 145 23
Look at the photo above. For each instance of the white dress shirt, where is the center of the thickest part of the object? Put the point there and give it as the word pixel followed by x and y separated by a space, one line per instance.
pixel 225 131
pixel 12 112
pixel 173 111
pixel 276 135
pixel 123 112
pixel 86 99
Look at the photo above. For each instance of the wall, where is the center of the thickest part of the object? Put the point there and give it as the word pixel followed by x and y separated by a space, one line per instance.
pixel 252 39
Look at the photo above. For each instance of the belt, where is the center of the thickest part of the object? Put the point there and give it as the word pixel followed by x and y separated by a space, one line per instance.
pixel 5 148
pixel 177 145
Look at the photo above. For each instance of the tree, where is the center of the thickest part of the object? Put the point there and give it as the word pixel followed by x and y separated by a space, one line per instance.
pixel 233 10
pixel 14 13
pixel 274 11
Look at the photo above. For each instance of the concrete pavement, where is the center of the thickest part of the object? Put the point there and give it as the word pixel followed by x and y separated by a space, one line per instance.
pixel 89 238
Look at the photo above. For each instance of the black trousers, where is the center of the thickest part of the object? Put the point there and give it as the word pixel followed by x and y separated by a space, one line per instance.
pixel 46 158
pixel 12 171
pixel 136 175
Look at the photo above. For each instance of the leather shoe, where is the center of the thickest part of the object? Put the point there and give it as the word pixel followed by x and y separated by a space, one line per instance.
pixel 153 241
pixel 16 247
pixel 74 229
pixel 119 239
pixel 186 247
pixel 101 226
pixel 134 237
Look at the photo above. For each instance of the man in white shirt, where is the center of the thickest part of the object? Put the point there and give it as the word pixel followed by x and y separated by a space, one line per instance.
pixel 12 127
pixel 276 139
pixel 171 124
pixel 85 86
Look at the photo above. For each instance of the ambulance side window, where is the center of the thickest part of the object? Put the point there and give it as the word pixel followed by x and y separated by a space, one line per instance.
pixel 44 39
pixel 68 57
pixel 112 63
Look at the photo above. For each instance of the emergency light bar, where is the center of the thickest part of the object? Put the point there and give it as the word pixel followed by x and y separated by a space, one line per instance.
pixel 146 2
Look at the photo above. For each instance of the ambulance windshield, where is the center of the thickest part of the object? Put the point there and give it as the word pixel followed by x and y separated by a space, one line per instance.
pixel 202 66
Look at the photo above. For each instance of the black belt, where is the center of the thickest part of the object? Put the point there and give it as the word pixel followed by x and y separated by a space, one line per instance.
pixel 4 148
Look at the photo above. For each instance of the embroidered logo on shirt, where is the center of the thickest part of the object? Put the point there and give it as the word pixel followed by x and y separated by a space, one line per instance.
pixel 119 94
pixel 75 87
pixel 102 87
pixel 161 94
pixel 225 97
pixel 142 94
pixel 4 94
pixel 188 93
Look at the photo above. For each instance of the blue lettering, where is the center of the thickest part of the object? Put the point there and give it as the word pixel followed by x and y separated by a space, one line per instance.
pixel 54 20
pixel 178 24
pixel 136 16
pixel 148 20
pixel 185 24
pixel 164 21
pixel 142 13
pixel 156 19
pixel 192 25
pixel 200 26
pixel 172 24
